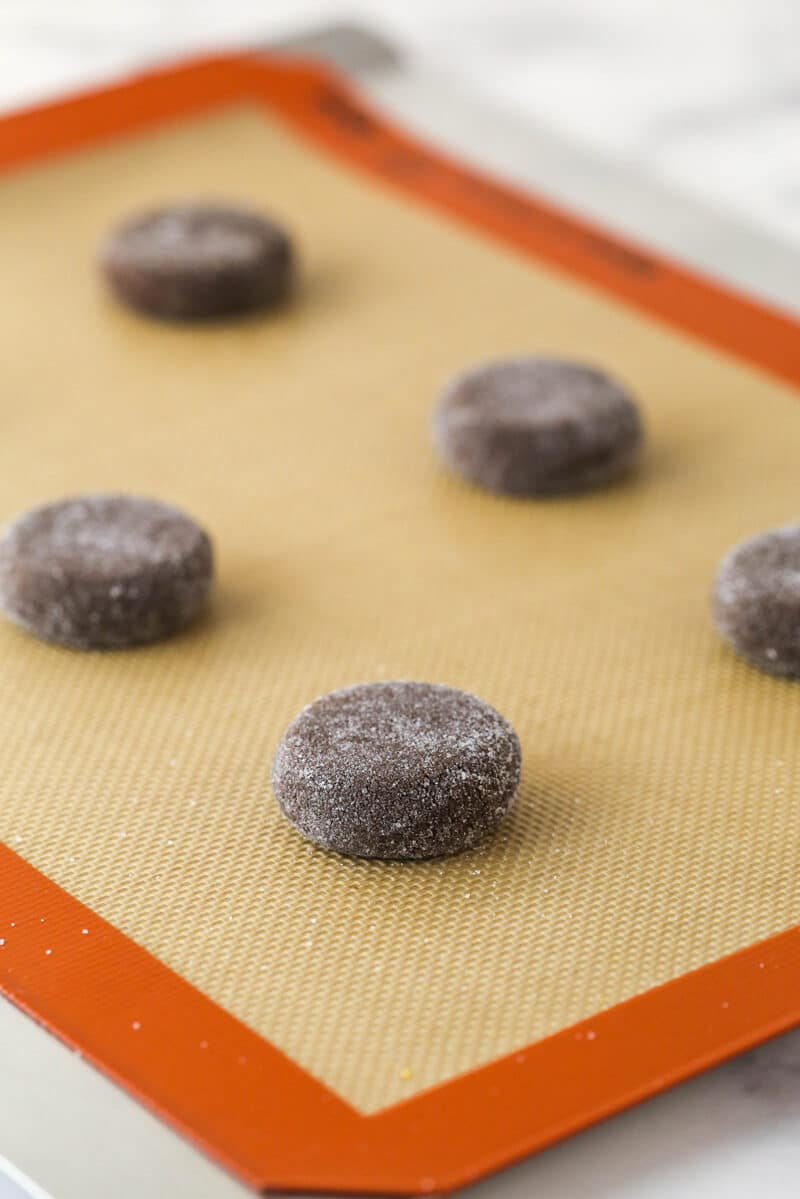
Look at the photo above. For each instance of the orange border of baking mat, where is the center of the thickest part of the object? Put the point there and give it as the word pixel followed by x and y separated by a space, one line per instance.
pixel 244 1101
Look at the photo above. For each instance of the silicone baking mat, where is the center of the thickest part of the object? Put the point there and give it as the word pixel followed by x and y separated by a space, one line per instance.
pixel 316 1022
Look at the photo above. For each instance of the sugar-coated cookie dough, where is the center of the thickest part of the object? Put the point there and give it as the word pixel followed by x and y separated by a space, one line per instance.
pixel 756 600
pixel 104 571
pixel 397 770
pixel 193 261
pixel 537 426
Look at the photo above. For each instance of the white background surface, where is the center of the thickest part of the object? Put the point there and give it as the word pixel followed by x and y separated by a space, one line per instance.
pixel 706 96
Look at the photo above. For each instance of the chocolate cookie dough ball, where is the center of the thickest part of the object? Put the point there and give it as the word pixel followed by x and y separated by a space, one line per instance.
pixel 756 600
pixel 104 571
pixel 195 261
pixel 397 770
pixel 537 426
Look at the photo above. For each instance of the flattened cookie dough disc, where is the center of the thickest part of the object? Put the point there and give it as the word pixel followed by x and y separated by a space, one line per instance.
pixel 537 426
pixel 193 261
pixel 104 571
pixel 756 600
pixel 397 770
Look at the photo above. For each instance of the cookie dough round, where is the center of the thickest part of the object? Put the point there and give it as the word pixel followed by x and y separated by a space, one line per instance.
pixel 397 770
pixel 193 261
pixel 537 426
pixel 756 600
pixel 104 571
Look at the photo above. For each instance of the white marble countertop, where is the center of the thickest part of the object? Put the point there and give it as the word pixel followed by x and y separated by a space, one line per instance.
pixel 705 96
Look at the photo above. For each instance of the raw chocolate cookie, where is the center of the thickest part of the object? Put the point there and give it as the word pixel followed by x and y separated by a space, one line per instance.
pixel 192 261
pixel 537 426
pixel 397 770
pixel 756 600
pixel 104 571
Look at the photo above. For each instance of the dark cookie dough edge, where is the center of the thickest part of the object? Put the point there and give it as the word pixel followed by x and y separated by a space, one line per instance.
pixel 296 806
pixel 593 476
pixel 176 619
pixel 609 465
pixel 184 296
pixel 28 590
pixel 186 302
pixel 725 625
pixel 345 848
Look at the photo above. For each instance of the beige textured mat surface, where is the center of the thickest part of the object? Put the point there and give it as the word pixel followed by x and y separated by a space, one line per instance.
pixel 659 820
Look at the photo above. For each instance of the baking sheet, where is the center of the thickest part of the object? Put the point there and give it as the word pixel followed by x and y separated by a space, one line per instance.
pixel 657 827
